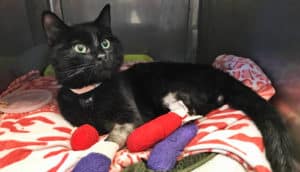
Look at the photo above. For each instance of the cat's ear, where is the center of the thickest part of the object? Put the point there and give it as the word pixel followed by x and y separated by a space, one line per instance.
pixel 53 26
pixel 104 17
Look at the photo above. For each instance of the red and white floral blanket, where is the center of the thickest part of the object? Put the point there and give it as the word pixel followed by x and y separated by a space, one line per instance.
pixel 39 140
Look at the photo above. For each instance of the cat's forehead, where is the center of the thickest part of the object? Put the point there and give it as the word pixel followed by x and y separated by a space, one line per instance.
pixel 88 34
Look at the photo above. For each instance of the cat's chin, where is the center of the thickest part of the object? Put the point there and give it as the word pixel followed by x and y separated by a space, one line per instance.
pixel 84 80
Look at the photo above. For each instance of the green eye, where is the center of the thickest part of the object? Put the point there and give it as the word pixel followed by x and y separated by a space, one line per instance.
pixel 105 44
pixel 80 48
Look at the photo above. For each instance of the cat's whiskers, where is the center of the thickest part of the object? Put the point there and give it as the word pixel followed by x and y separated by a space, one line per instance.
pixel 73 72
pixel 90 74
pixel 81 65
pixel 78 67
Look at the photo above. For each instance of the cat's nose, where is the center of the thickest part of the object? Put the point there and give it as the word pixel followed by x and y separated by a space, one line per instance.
pixel 101 56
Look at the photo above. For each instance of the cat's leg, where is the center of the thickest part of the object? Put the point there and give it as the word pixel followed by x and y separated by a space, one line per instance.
pixel 227 90
pixel 124 124
pixel 71 110
pixel 197 102
pixel 120 132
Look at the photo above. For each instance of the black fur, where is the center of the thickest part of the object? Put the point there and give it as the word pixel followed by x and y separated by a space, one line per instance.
pixel 135 96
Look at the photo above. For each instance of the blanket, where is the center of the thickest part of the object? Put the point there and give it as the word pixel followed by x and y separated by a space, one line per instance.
pixel 39 140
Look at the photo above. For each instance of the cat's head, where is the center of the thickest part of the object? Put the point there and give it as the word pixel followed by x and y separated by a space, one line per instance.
pixel 83 54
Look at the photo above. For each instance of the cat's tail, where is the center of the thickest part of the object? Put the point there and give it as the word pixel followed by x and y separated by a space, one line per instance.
pixel 276 138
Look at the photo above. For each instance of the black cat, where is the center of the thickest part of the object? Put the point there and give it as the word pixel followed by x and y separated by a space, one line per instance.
pixel 88 56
